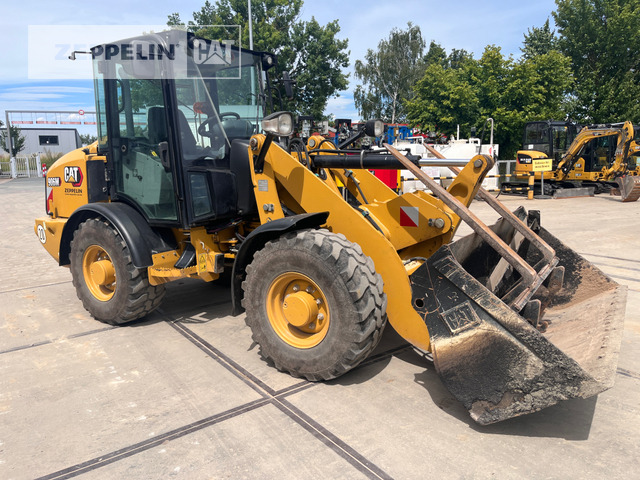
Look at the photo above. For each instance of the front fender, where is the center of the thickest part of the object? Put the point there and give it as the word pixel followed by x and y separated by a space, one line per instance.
pixel 141 239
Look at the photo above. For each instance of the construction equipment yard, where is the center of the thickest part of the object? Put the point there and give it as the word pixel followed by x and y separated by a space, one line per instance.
pixel 184 393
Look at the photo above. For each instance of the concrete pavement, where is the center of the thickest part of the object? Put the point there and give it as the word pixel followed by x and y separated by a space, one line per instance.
pixel 184 393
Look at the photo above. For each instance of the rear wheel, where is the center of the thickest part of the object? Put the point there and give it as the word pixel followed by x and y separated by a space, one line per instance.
pixel 110 287
pixel 314 303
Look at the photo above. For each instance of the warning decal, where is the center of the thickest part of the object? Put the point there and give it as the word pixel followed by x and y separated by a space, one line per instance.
pixel 409 216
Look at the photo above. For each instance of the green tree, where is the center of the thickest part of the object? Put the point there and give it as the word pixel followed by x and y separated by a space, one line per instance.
pixel 310 52
pixel 602 40
pixel 435 54
pixel 538 41
pixel 388 75
pixel 17 140
pixel 511 92
pixel 444 98
pixel 458 58
pixel 87 138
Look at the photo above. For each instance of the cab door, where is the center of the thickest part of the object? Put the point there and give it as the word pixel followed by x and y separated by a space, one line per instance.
pixel 136 119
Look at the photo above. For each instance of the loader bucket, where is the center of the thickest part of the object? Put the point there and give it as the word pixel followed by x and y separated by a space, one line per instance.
pixel 629 187
pixel 489 354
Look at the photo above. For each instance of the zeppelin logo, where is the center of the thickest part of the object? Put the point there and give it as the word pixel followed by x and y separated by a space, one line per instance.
pixel 409 216
pixel 53 181
pixel 73 175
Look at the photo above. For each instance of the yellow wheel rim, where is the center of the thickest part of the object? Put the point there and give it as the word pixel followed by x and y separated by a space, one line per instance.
pixel 298 310
pixel 99 273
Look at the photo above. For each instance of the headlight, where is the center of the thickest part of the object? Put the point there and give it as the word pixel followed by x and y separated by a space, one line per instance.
pixel 279 124
pixel 374 128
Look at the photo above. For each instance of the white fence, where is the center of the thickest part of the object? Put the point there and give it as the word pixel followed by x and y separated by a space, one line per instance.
pixel 21 167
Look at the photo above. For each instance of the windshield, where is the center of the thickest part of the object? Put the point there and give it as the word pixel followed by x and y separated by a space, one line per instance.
pixel 536 137
pixel 219 103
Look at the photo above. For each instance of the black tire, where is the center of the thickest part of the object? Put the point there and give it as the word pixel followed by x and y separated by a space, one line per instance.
pixel 346 279
pixel 130 296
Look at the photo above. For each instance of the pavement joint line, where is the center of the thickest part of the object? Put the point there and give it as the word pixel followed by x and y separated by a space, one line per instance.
pixel 321 433
pixel 384 355
pixel 276 398
pixel 35 286
pixel 340 447
pixel 131 450
pixel 628 373
pixel 622 277
pixel 55 340
pixel 621 267
pixel 294 388
pixel 248 378
pixel 198 318
pixel 612 258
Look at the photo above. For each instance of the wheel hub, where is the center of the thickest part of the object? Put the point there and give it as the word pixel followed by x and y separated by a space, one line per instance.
pixel 297 310
pixel 300 309
pixel 99 273
pixel 102 272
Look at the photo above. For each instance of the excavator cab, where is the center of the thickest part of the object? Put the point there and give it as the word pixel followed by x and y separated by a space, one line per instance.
pixel 550 137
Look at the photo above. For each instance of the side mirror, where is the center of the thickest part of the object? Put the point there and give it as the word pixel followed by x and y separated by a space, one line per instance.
pixel 288 85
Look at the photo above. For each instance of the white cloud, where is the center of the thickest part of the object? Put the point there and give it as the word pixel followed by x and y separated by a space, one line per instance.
pixel 463 24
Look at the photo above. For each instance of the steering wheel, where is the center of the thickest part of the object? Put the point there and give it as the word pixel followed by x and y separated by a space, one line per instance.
pixel 214 131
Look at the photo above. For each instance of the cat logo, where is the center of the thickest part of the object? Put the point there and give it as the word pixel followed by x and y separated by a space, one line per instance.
pixel 73 175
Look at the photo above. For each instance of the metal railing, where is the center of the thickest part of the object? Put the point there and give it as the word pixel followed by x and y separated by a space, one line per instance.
pixel 26 166
pixel 506 173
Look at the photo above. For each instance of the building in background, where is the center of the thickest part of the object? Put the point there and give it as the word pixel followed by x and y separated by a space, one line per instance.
pixel 51 140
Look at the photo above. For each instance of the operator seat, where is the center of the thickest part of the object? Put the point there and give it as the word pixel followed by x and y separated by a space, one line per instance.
pixel 188 140
pixel 156 125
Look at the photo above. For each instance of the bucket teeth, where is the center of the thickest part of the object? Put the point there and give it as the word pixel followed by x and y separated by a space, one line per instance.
pixel 532 312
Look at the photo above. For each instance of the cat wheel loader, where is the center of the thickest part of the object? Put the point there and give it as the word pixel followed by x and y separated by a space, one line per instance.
pixel 599 156
pixel 193 177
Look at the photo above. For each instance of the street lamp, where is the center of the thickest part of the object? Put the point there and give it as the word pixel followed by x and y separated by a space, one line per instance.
pixel 250 29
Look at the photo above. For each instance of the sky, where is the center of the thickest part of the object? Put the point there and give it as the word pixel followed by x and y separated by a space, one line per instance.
pixel 463 24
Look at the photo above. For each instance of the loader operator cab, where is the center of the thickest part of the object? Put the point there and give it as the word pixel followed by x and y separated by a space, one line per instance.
pixel 175 118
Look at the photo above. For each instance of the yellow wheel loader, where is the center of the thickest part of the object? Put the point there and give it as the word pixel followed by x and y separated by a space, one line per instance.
pixel 599 156
pixel 191 177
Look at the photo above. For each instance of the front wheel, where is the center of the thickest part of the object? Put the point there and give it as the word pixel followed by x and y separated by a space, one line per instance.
pixel 314 303
pixel 110 287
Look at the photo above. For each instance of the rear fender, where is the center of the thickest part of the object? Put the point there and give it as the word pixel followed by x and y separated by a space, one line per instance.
pixel 141 239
